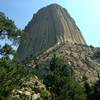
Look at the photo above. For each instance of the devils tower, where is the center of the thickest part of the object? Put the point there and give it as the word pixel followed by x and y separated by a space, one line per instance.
pixel 51 25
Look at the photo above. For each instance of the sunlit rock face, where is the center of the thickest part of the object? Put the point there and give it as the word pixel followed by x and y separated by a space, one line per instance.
pixel 51 25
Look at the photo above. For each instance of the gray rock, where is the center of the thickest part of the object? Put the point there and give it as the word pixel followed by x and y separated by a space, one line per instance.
pixel 49 26
pixel 35 96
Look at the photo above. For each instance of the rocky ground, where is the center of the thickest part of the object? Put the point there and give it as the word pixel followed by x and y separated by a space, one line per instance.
pixel 32 89
pixel 84 61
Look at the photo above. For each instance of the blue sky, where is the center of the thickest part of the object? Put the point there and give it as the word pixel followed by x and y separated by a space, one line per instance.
pixel 86 13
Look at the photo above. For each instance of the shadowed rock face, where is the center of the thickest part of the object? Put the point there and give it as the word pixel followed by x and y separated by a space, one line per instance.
pixel 49 26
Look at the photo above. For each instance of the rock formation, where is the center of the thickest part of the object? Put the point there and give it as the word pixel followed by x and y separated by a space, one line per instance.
pixel 32 89
pixel 84 61
pixel 51 25
pixel 52 31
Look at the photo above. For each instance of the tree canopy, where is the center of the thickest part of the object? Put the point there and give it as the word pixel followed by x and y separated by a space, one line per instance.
pixel 8 30
pixel 8 27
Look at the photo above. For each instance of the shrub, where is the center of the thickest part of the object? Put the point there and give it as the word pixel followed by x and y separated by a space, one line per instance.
pixel 10 76
pixel 61 82
pixel 91 46
pixel 93 92
pixel 97 90
pixel 97 55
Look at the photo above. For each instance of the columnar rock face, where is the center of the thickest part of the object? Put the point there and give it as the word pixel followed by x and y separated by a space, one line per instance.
pixel 49 26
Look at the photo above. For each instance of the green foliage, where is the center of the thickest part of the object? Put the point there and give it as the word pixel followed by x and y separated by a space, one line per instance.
pixel 10 73
pixel 8 25
pixel 61 82
pixel 97 90
pixel 7 50
pixel 93 92
pixel 91 47
pixel 10 76
pixel 45 95
pixel 89 91
pixel 97 55
pixel 72 91
pixel 8 30
pixel 60 67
